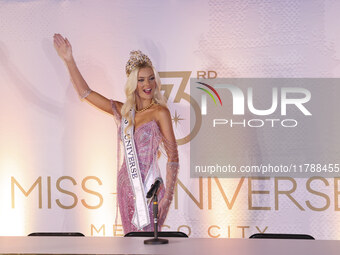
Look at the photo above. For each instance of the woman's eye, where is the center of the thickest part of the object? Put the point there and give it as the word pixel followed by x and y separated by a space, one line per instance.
pixel 140 80
pixel 152 78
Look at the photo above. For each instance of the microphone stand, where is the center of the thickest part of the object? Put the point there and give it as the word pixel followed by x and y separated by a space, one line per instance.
pixel 155 240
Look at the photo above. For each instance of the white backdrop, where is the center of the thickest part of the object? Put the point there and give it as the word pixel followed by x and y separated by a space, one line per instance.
pixel 58 154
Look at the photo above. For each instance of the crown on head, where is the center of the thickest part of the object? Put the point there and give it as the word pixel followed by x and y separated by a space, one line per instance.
pixel 137 58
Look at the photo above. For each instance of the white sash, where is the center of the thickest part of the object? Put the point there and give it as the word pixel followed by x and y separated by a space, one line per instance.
pixel 141 215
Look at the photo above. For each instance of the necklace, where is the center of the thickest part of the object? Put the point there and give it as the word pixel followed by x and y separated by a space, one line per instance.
pixel 145 108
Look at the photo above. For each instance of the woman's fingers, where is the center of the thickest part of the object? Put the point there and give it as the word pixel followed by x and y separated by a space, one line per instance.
pixel 57 41
pixel 60 40
pixel 163 209
pixel 67 42
pixel 62 46
pixel 160 213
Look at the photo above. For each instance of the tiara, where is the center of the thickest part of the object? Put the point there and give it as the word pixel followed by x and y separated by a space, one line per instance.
pixel 137 58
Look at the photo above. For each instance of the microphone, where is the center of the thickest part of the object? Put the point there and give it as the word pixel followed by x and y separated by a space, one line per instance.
pixel 154 187
pixel 152 194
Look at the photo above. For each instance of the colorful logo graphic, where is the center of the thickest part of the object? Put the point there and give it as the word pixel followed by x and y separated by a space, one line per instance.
pixel 207 91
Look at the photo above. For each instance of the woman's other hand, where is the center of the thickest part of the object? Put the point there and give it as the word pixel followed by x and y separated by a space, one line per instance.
pixel 63 47
pixel 163 209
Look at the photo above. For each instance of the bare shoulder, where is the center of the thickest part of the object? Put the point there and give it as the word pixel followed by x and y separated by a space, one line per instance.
pixel 162 113
pixel 164 121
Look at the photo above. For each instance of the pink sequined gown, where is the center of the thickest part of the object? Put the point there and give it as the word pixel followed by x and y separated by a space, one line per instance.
pixel 147 138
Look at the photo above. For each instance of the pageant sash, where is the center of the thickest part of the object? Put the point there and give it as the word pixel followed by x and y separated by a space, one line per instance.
pixel 141 215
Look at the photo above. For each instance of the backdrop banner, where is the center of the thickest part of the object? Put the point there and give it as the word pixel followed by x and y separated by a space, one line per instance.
pixel 58 153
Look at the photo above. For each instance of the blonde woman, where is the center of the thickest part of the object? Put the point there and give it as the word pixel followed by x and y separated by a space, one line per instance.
pixel 144 124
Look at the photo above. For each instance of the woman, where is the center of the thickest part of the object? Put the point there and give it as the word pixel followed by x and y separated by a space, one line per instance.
pixel 144 123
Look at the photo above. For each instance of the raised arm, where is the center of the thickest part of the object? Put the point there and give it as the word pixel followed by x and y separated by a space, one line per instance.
pixel 64 50
pixel 172 167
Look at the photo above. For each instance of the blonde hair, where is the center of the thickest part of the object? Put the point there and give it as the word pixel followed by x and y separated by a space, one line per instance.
pixel 130 88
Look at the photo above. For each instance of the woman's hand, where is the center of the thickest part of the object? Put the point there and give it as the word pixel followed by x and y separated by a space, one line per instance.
pixel 63 47
pixel 163 208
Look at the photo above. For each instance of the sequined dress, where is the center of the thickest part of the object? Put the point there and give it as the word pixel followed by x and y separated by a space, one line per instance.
pixel 147 138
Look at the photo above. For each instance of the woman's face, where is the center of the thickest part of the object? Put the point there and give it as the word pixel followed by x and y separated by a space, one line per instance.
pixel 146 83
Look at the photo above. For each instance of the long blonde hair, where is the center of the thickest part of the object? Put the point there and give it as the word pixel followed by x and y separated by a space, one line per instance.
pixel 130 88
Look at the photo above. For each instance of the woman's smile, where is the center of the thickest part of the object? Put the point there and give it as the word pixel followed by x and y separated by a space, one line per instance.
pixel 147 91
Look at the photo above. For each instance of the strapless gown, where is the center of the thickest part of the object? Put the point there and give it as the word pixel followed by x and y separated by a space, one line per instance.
pixel 147 138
